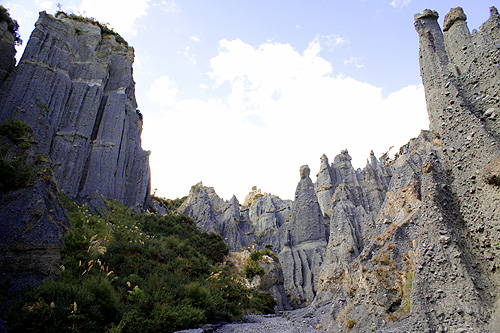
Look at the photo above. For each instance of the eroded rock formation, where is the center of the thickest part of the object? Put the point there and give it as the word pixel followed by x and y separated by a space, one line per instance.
pixel 413 244
pixel 74 87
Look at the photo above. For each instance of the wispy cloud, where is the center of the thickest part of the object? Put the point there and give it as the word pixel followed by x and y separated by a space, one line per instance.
pixel 331 42
pixel 355 61
pixel 400 3
pixel 195 39
pixel 189 56
pixel 170 6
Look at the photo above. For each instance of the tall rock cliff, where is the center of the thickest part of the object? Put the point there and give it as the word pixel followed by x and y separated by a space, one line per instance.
pixel 460 74
pixel 74 87
pixel 430 261
pixel 68 122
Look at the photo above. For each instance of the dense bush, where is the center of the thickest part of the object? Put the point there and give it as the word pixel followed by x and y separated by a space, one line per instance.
pixel 171 205
pixel 128 272
pixel 12 25
pixel 14 129
pixel 15 172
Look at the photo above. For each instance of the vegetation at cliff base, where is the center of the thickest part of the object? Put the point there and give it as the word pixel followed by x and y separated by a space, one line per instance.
pixel 128 272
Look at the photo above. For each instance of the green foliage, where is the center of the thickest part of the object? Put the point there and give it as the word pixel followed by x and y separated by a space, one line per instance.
pixel 407 291
pixel 12 25
pixel 14 172
pixel 257 255
pixel 14 175
pixel 128 272
pixel 253 269
pixel 170 205
pixel 349 323
pixel 261 302
pixel 14 129
pixel 105 29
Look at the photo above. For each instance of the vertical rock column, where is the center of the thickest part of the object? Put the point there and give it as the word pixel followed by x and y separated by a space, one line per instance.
pixel 304 243
pixel 458 71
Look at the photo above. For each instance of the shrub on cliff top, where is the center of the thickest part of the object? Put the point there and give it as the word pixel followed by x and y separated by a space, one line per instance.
pixel 12 25
pixel 105 29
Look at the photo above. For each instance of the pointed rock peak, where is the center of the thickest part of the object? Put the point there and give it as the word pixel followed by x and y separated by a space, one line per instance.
pixel 342 157
pixel 493 11
pixel 373 159
pixel 234 200
pixel 428 13
pixel 324 165
pixel 455 14
pixel 304 172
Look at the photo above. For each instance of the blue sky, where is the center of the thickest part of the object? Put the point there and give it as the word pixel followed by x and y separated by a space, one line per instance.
pixel 242 93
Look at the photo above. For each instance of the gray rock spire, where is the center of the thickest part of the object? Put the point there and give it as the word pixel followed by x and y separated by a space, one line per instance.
pixel 304 243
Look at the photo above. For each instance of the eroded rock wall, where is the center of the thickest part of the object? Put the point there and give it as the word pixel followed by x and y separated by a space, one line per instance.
pixel 74 87
pixel 430 263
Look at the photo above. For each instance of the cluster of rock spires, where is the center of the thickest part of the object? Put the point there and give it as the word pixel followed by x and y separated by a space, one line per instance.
pixel 74 88
pixel 412 244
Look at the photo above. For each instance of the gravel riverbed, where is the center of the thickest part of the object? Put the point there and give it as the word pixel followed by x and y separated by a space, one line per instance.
pixel 258 324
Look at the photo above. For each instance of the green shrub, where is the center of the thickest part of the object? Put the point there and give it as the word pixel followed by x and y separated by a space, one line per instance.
pixel 14 129
pixel 261 302
pixel 253 269
pixel 128 272
pixel 12 25
pixel 349 323
pixel 14 175
pixel 105 29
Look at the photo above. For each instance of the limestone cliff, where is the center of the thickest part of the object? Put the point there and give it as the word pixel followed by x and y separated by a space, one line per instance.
pixel 71 100
pixel 74 87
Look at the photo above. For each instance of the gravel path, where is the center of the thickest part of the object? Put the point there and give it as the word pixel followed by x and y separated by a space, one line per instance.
pixel 266 324
pixel 257 324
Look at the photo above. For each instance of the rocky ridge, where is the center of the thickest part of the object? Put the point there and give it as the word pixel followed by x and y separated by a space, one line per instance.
pixel 410 243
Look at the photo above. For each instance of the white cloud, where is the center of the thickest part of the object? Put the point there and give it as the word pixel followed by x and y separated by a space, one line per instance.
pixel 170 7
pixel 195 39
pixel 45 5
pixel 331 42
pixel 120 14
pixel 356 61
pixel 400 3
pixel 284 108
pixel 164 92
pixel 190 57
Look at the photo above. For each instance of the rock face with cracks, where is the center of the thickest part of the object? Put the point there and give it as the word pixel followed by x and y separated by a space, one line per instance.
pixel 74 87
pixel 412 244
